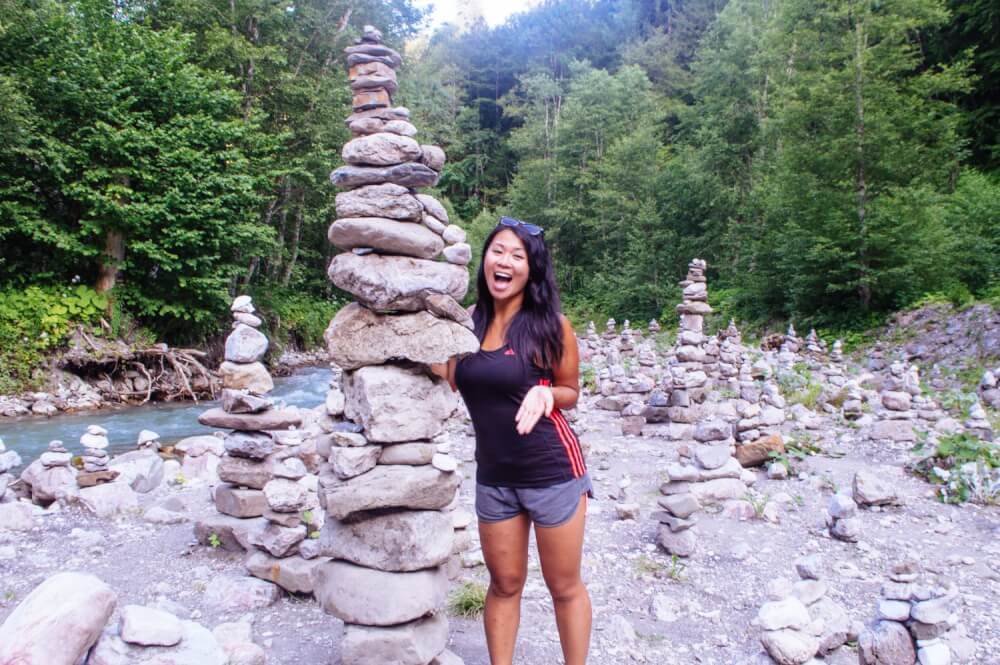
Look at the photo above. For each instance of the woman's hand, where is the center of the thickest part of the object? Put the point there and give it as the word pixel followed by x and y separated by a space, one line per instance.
pixel 537 403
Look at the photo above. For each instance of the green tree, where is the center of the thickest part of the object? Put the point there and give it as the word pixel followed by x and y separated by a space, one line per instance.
pixel 137 171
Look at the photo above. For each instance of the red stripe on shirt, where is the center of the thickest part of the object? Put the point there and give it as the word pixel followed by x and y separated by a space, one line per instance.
pixel 566 437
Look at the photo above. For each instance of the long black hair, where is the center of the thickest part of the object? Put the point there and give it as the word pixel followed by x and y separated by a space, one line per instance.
pixel 536 331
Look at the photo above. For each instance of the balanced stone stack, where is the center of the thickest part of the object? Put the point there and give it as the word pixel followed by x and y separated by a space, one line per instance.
pixel 51 477
pixel 801 621
pixel 977 423
pixel 264 500
pixel 685 382
pixel 8 460
pixel 385 487
pixel 245 348
pixel 895 419
pixel 654 327
pixel 95 458
pixel 917 621
pixel 709 472
pixel 610 333
pixel 842 518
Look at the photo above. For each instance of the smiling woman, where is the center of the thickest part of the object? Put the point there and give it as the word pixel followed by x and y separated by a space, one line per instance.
pixel 530 468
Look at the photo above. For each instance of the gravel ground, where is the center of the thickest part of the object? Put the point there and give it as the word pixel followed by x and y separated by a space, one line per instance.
pixel 648 607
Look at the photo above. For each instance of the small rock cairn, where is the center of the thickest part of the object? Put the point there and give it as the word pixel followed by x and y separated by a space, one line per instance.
pixel 895 419
pixel 917 621
pixel 801 621
pixel 95 458
pixel 385 486
pixel 8 460
pixel 264 496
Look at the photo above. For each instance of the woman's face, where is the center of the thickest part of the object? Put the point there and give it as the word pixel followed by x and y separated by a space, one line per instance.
pixel 506 266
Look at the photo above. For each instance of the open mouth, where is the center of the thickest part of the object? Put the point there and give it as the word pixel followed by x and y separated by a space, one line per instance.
pixel 502 278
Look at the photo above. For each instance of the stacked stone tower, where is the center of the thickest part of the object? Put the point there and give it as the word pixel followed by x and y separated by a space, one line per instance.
pixel 264 500
pixel 386 486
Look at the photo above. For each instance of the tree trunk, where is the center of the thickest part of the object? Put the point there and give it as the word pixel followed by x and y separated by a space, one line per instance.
pixel 110 261
pixel 286 276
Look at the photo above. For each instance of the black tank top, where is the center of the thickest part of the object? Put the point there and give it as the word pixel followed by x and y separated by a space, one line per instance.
pixel 493 384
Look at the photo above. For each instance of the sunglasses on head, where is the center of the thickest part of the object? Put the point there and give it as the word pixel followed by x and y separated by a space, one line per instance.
pixel 530 228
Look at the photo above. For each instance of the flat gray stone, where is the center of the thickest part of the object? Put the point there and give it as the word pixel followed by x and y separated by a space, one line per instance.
pixel 389 283
pixel 147 626
pixel 400 541
pixel 413 643
pixel 382 149
pixel 385 200
pixel 359 595
pixel 238 502
pixel 416 488
pixel 387 236
pixel 269 420
pixel 358 337
pixel 397 405
pixel 410 174
pixel 350 462
pixel 293 574
pixel 414 454
pixel 246 472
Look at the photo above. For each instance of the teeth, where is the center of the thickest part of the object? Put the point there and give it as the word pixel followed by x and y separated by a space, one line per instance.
pixel 502 274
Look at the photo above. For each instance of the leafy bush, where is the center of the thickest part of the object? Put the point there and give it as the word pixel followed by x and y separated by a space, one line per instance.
pixel 296 320
pixel 965 468
pixel 36 320
pixel 468 601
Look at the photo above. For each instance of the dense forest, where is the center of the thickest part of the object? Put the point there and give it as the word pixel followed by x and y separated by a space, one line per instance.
pixel 832 160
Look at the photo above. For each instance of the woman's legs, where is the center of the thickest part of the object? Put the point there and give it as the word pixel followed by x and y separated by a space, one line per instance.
pixel 560 549
pixel 505 550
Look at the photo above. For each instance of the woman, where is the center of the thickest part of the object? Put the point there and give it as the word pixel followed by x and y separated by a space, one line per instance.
pixel 530 467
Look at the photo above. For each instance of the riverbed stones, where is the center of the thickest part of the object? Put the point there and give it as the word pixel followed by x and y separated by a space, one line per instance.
pixel 410 174
pixel 273 419
pixel 58 622
pixel 386 236
pixel 358 337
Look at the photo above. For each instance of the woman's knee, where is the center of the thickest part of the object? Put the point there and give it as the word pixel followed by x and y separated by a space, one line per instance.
pixel 507 585
pixel 565 588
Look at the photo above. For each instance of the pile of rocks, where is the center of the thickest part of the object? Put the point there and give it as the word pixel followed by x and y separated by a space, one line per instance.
pixel 95 458
pixel 8 460
pixel 707 472
pixel 246 346
pixel 51 477
pixel 267 499
pixel 801 621
pixel 978 424
pixel 842 518
pixel 917 621
pixel 143 469
pixel 385 486
pixel 895 418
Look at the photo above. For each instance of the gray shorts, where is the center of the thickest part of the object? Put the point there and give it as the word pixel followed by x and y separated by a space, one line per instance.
pixel 546 506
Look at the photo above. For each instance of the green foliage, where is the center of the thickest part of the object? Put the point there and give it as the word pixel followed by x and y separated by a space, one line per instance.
pixel 296 320
pixel 468 600
pixel 214 541
pixel 965 468
pixel 35 321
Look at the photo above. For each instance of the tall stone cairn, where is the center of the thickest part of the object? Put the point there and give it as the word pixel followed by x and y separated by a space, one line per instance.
pixel 386 486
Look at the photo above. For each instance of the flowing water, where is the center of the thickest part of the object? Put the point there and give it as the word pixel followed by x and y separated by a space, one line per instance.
pixel 30 436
